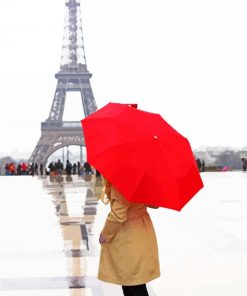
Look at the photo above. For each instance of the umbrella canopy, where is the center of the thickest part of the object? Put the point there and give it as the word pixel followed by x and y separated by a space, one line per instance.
pixel 145 158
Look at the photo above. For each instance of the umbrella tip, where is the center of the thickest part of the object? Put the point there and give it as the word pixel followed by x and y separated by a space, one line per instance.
pixel 156 137
pixel 132 105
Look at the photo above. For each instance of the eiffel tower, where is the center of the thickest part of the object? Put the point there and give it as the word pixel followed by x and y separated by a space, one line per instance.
pixel 73 76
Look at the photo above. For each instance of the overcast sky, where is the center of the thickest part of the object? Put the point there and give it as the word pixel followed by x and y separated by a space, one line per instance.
pixel 184 59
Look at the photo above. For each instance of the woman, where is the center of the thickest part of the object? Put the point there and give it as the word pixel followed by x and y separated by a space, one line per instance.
pixel 129 252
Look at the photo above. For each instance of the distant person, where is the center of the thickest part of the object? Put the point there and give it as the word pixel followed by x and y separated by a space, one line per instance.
pixel 23 169
pixel 87 168
pixel 203 166
pixel 36 167
pixel 74 168
pixel 68 168
pixel 51 168
pixel 6 167
pixel 199 164
pixel 41 169
pixel 18 169
pixel 244 160
pixel 31 169
pixel 12 169
pixel 59 167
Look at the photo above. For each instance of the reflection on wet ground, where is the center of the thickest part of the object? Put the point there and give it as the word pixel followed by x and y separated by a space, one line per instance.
pixel 75 200
pixel 61 268
pixel 49 238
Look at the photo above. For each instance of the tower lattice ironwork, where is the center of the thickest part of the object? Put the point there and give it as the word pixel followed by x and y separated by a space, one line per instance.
pixel 72 76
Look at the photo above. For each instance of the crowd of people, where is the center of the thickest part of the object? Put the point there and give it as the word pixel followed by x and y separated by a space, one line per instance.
pixel 53 169
pixel 58 168
pixel 23 169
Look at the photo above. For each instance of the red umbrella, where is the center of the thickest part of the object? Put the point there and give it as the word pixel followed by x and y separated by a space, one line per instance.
pixel 146 159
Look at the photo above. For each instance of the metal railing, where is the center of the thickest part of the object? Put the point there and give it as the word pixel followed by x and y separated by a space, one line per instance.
pixel 61 124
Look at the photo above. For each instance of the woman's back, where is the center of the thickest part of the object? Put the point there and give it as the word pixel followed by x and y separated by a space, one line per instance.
pixel 130 255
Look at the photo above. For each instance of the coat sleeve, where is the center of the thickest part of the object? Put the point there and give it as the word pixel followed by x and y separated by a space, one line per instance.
pixel 117 216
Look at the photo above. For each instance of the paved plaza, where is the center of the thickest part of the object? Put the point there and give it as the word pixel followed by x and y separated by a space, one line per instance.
pixel 50 227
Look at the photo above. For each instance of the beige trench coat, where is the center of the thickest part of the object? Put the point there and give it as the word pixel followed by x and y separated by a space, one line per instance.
pixel 130 256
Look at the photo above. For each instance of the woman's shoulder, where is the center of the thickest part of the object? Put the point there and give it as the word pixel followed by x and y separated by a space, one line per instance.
pixel 115 194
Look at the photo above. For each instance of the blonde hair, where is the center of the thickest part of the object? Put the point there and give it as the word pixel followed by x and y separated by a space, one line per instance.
pixel 106 191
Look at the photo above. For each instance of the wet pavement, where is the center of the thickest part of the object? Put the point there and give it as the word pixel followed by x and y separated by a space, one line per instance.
pixel 50 227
